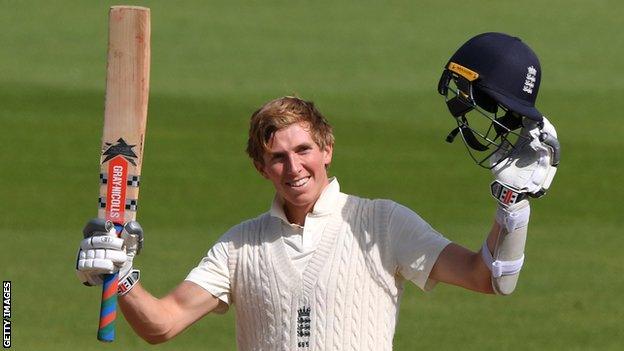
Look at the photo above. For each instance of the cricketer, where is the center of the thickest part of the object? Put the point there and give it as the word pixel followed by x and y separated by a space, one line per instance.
pixel 325 270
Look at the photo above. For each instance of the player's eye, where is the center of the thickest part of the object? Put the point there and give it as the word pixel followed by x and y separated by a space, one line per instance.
pixel 304 149
pixel 277 157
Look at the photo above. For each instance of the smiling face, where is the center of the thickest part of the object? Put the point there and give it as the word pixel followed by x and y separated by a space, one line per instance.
pixel 297 167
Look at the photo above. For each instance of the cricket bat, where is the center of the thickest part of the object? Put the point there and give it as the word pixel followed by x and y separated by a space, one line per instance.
pixel 125 117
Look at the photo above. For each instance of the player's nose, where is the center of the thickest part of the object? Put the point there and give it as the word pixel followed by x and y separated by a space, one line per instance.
pixel 293 165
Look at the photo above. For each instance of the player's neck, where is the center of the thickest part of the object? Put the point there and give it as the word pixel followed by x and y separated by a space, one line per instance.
pixel 297 215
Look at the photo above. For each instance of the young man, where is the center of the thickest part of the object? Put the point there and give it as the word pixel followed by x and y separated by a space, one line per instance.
pixel 321 269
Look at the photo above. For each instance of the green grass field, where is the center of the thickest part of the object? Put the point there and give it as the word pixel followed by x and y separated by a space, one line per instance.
pixel 373 70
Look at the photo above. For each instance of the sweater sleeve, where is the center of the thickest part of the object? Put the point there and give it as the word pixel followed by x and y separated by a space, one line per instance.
pixel 416 245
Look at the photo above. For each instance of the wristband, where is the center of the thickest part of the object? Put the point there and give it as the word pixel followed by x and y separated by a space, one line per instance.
pixel 128 282
pixel 513 219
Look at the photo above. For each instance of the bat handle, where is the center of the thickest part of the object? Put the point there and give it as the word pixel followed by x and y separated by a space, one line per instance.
pixel 108 309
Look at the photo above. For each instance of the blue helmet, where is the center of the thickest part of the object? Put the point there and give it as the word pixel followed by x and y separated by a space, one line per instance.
pixel 498 76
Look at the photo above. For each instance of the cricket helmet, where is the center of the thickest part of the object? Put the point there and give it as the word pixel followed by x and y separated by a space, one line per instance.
pixel 495 76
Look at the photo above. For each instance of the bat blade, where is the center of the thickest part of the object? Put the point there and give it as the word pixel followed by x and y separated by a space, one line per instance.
pixel 125 117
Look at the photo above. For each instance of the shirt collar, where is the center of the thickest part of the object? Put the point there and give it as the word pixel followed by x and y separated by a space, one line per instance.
pixel 325 204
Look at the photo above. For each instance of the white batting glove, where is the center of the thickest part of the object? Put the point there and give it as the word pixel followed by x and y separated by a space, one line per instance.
pixel 102 252
pixel 530 167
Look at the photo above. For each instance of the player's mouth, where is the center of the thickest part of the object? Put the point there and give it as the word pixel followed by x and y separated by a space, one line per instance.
pixel 298 183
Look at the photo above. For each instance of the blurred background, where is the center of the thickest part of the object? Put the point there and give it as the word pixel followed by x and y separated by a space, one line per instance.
pixel 372 68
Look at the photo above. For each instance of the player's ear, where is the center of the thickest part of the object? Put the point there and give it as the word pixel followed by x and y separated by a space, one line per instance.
pixel 328 152
pixel 260 168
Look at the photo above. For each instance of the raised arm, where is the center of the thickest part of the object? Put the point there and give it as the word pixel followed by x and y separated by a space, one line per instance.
pixel 155 320
pixel 158 320
pixel 527 172
pixel 462 267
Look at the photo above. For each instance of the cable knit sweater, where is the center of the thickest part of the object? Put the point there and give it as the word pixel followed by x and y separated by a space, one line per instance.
pixel 347 297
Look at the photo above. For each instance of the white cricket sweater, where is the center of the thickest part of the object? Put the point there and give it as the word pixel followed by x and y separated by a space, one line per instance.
pixel 347 298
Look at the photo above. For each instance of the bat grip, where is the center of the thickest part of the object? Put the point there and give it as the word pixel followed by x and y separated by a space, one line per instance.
pixel 108 309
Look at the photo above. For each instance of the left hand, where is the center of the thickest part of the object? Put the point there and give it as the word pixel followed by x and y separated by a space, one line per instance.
pixel 531 165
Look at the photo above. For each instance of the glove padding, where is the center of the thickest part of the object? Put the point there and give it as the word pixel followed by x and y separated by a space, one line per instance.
pixel 530 167
pixel 103 252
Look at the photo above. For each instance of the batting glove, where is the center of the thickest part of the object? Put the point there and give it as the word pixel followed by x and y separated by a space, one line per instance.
pixel 102 252
pixel 530 167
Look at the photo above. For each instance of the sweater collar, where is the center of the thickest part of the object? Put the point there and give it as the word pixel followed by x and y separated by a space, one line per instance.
pixel 325 204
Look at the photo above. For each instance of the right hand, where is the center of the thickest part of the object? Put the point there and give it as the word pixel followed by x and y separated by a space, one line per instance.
pixel 102 252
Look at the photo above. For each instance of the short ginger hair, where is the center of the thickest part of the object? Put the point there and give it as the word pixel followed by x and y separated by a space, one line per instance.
pixel 281 113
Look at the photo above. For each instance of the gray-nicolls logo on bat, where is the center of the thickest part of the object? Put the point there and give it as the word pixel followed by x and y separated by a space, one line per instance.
pixel 121 148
